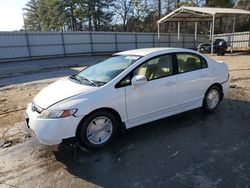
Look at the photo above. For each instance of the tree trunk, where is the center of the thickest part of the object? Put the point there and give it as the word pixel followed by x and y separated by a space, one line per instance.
pixel 249 23
pixel 90 24
pixel 159 9
pixel 124 25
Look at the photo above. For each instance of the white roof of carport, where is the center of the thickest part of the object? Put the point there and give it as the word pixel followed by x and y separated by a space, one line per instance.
pixel 197 14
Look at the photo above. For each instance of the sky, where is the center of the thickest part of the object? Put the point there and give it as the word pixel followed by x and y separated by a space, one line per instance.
pixel 11 14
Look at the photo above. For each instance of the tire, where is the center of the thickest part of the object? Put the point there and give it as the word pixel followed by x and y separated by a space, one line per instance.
pixel 98 129
pixel 202 49
pixel 211 99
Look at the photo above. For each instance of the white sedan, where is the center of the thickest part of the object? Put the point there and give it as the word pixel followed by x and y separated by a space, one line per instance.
pixel 128 89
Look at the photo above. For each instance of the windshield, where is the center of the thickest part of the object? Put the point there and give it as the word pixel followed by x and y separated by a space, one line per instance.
pixel 106 70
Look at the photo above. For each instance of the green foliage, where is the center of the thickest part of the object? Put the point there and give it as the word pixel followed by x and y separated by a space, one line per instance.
pixel 187 4
pixel 119 15
pixel 74 15
pixel 32 21
pixel 220 3
pixel 51 15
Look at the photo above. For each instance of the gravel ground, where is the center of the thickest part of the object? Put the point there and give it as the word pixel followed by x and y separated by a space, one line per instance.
pixel 191 149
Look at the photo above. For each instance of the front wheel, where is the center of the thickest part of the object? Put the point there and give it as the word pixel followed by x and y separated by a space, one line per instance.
pixel 98 129
pixel 212 99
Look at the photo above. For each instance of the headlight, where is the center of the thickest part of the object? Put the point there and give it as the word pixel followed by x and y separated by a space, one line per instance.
pixel 53 114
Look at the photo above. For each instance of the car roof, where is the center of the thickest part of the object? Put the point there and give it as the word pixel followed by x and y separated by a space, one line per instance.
pixel 147 51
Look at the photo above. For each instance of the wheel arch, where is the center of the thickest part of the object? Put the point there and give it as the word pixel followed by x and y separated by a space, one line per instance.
pixel 107 109
pixel 220 88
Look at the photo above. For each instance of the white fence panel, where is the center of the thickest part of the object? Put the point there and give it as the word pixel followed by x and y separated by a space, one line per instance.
pixel 13 39
pixel 104 47
pixel 125 46
pixel 14 52
pixel 103 38
pixel 145 38
pixel 145 45
pixel 240 40
pixel 14 45
pixel 121 38
pixel 46 50
pixel 45 38
pixel 76 38
pixel 78 48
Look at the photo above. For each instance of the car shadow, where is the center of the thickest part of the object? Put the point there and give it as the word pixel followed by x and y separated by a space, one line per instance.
pixel 170 152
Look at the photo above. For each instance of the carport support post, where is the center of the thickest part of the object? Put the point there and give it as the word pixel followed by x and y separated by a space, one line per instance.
pixel 232 48
pixel 195 31
pixel 195 34
pixel 178 30
pixel 212 41
pixel 210 30
pixel 158 27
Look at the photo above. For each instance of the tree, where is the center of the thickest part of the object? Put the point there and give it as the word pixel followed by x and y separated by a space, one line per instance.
pixel 149 23
pixel 244 23
pixel 102 16
pixel 187 4
pixel 98 13
pixel 51 15
pixel 123 8
pixel 31 17
pixel 141 9
pixel 159 9
pixel 219 3
pixel 244 4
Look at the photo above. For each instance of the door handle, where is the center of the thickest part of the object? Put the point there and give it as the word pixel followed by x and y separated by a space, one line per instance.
pixel 169 83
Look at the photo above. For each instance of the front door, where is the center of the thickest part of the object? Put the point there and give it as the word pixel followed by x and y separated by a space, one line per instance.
pixel 155 98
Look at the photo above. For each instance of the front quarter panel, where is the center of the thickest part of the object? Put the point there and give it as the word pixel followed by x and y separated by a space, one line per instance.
pixel 102 98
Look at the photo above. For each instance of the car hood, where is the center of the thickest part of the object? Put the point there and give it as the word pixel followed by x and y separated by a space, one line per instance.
pixel 60 90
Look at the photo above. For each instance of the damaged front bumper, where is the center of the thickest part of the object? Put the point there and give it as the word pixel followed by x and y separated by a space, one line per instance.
pixel 51 131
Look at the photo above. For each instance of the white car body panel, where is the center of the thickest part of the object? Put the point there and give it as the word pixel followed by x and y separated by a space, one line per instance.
pixel 192 87
pixel 60 90
pixel 52 131
pixel 147 101
pixel 135 105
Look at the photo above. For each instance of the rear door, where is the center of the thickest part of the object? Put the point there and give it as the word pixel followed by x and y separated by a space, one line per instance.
pixel 193 79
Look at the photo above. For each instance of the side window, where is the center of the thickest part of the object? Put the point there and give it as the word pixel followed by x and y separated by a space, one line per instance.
pixel 190 62
pixel 125 81
pixel 156 68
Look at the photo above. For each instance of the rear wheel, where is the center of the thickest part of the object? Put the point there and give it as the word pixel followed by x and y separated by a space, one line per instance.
pixel 98 129
pixel 202 49
pixel 212 99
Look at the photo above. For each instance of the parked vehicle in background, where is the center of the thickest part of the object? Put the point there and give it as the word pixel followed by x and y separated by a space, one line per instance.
pixel 220 46
pixel 128 89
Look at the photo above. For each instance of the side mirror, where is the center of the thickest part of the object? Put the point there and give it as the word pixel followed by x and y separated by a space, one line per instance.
pixel 138 80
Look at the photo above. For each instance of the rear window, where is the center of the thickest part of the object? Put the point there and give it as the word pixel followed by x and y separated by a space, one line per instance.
pixel 189 62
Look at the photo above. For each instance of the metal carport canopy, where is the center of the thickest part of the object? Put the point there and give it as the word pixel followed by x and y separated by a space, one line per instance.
pixel 198 14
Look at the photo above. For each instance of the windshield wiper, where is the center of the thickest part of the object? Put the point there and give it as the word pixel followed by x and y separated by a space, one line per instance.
pixel 73 77
pixel 80 78
pixel 90 81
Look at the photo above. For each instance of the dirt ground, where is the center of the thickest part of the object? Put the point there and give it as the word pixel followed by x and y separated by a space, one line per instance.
pixel 13 100
pixel 53 166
